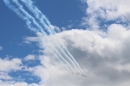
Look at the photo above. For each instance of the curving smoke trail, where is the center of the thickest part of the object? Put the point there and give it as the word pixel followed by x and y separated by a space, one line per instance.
pixel 43 19
pixel 38 14
pixel 43 25
pixel 30 21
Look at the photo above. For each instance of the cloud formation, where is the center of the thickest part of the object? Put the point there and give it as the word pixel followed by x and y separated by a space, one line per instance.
pixel 7 66
pixel 105 59
pixel 108 11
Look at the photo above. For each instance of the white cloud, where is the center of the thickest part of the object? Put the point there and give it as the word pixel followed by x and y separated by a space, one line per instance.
pixel 4 75
pixel 7 65
pixel 106 10
pixel 12 83
pixel 30 57
pixel 104 55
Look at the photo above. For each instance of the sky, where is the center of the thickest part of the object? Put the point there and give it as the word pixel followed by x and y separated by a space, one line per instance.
pixel 95 32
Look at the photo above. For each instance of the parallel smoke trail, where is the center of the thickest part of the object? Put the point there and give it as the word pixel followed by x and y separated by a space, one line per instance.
pixel 69 58
pixel 38 14
pixel 59 60
pixel 21 8
pixel 73 58
pixel 24 15
pixel 21 15
pixel 53 48
pixel 30 21
pixel 42 17
pixel 64 59
pixel 28 15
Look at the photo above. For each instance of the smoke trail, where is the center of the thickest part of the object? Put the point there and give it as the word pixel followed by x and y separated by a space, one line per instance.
pixel 72 58
pixel 29 16
pixel 29 20
pixel 59 54
pixel 42 17
pixel 74 62
pixel 59 59
pixel 7 3
pixel 38 14
pixel 24 15
pixel 69 58
pixel 63 59
pixel 16 1
pixel 26 18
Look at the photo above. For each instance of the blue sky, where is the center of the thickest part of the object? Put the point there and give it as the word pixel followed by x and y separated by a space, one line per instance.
pixel 94 32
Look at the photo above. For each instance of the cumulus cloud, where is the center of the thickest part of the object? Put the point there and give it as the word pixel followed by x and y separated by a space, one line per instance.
pixel 9 83
pixel 7 65
pixel 105 11
pixel 30 57
pixel 104 57
pixel 101 56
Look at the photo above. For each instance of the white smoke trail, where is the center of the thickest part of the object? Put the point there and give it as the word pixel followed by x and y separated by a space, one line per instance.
pixel 64 59
pixel 21 15
pixel 69 58
pixel 24 15
pixel 21 8
pixel 58 59
pixel 38 14
pixel 43 20
pixel 42 17
pixel 73 58
pixel 56 51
